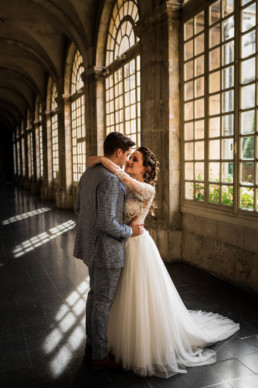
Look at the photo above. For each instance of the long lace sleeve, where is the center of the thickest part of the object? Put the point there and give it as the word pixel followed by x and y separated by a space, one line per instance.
pixel 143 190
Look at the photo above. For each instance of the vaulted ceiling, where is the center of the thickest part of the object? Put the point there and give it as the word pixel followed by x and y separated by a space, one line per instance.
pixel 34 37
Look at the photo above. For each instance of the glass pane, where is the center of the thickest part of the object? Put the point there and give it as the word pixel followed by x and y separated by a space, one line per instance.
pixel 214 12
pixel 248 44
pixel 199 87
pixel 227 148
pixel 189 131
pixel 214 127
pixel 199 22
pixel 228 29
pixel 228 101
pixel 214 104
pixel 246 198
pixel 188 190
pixel 247 122
pixel 228 77
pixel 215 58
pixel 188 29
pixel 247 96
pixel 227 7
pixel 227 195
pixel 199 44
pixel 214 172
pixel 244 2
pixel 214 82
pixel 199 108
pixel 228 53
pixel 199 129
pixel 189 90
pixel 188 111
pixel 189 171
pixel 247 173
pixel 199 191
pixel 199 66
pixel 188 49
pixel 248 17
pixel 215 35
pixel 227 169
pixel 199 150
pixel 199 171
pixel 214 149
pixel 214 193
pixel 189 70
pixel 189 151
pixel 248 71
pixel 247 147
pixel 228 125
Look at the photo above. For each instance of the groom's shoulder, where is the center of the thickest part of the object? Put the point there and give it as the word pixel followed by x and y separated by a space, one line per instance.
pixel 99 173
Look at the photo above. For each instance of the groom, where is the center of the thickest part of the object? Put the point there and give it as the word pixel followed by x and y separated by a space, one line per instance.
pixel 99 242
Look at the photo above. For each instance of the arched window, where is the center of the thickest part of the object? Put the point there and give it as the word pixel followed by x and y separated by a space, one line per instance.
pixel 29 145
pixel 123 72
pixel 54 132
pixel 78 119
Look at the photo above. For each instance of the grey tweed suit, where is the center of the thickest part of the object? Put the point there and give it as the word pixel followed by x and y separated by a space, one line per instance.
pixel 99 242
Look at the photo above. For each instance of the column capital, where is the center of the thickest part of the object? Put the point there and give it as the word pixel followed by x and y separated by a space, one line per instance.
pixel 93 72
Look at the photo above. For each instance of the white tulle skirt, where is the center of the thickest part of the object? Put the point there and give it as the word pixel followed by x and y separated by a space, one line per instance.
pixel 150 330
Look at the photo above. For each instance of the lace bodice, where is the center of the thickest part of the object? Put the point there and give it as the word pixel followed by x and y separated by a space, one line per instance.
pixel 138 199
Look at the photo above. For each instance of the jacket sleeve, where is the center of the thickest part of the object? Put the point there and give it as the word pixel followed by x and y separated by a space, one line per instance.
pixel 107 194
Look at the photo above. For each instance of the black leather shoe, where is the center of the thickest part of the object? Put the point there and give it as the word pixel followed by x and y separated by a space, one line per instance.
pixel 106 363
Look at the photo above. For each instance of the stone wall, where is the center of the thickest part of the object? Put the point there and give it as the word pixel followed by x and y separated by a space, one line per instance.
pixel 228 250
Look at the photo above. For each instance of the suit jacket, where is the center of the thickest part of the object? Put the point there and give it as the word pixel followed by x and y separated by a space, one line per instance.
pixel 100 233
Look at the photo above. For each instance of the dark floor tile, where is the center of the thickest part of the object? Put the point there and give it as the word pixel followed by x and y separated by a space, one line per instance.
pixel 250 361
pixel 230 369
pixel 245 382
pixel 17 377
pixel 84 377
pixel 253 341
pixel 176 381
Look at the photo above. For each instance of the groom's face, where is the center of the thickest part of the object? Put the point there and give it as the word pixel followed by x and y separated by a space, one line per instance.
pixel 123 156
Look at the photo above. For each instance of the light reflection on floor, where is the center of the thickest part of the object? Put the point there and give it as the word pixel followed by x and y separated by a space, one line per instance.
pixel 20 217
pixel 69 331
pixel 42 238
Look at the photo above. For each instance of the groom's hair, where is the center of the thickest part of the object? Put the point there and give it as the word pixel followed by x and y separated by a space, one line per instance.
pixel 116 140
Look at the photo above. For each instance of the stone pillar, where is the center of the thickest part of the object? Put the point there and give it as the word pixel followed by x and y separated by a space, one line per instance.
pixel 159 47
pixel 63 190
pixel 47 189
pixel 94 108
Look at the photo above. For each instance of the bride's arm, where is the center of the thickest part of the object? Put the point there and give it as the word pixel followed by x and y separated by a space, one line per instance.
pixel 145 191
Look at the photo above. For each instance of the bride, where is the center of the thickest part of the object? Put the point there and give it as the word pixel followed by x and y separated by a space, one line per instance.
pixel 150 330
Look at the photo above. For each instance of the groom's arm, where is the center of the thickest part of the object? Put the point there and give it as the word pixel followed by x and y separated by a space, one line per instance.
pixel 107 196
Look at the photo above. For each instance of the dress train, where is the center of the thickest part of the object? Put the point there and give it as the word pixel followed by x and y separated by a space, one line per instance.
pixel 150 330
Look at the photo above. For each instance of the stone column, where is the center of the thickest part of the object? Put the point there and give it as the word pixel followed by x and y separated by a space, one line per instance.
pixel 159 45
pixel 94 109
pixel 63 191
pixel 47 190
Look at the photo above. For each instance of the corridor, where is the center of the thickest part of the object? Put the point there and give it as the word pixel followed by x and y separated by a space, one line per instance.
pixel 43 293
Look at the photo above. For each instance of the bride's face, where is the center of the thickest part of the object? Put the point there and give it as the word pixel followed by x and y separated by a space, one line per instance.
pixel 134 166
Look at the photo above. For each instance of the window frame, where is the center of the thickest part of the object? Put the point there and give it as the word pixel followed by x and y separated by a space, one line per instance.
pixel 190 10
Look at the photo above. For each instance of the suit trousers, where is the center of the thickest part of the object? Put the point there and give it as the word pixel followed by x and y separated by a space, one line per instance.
pixel 103 286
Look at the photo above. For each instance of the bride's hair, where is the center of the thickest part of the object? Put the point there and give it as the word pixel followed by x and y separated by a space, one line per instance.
pixel 151 164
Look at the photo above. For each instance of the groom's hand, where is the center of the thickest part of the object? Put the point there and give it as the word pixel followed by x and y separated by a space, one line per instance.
pixel 137 228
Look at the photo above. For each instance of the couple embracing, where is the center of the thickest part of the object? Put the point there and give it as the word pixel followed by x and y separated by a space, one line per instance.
pixel 135 318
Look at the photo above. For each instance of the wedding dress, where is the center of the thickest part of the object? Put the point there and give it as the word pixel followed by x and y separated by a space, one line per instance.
pixel 150 330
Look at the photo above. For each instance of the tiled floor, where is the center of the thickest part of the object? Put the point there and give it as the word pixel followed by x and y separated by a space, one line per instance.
pixel 43 291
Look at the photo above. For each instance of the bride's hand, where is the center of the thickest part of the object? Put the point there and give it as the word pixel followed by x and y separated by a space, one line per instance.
pixel 94 160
